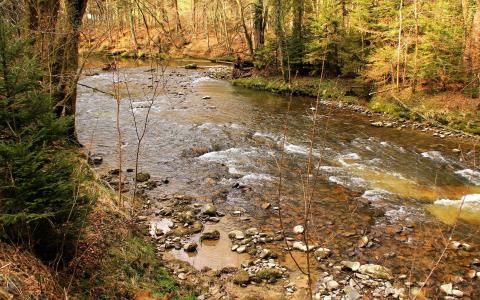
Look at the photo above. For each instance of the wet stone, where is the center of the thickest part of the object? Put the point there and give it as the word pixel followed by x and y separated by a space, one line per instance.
pixel 210 235
pixel 210 210
pixel 143 177
pixel 236 234
pixel 393 229
pixel 190 247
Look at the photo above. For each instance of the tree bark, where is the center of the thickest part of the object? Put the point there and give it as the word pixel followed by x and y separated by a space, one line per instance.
pixel 248 36
pixel 65 68
pixel 259 25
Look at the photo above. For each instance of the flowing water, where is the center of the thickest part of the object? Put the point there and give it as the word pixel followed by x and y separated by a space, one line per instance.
pixel 229 144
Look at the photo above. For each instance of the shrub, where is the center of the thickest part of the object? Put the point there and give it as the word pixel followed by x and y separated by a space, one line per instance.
pixel 39 205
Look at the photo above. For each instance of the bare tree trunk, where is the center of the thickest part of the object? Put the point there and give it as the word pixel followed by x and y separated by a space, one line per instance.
pixel 279 33
pixel 399 47
pixel 259 25
pixel 415 59
pixel 131 19
pixel 248 36
pixel 65 73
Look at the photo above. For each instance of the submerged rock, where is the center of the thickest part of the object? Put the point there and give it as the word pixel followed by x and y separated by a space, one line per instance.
pixel 210 235
pixel 191 67
pixel 210 210
pixel 190 247
pixel 143 177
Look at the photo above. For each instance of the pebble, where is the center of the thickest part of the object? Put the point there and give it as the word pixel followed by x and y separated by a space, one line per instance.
pixel 299 229
pixel 351 265
pixel 300 246
pixel 332 285
pixel 236 234
pixel 447 288
pixel 457 293
pixel 182 276
pixel 241 249
pixel 266 205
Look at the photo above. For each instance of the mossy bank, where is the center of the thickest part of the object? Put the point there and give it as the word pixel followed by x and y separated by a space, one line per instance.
pixel 452 110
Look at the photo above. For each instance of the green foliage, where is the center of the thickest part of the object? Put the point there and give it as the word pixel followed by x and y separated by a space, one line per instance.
pixel 39 205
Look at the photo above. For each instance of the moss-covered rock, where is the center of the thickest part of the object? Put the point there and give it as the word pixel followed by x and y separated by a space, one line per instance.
pixel 143 177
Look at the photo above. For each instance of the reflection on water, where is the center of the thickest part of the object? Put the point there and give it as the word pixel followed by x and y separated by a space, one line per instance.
pixel 214 254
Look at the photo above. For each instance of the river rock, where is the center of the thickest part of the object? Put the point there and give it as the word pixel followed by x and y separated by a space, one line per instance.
pixel 269 274
pixel 363 241
pixel 236 234
pixel 351 265
pixel 393 229
pixel 332 285
pixel 300 246
pixel 471 274
pixel 265 254
pixel 251 231
pixel 377 124
pixel 322 253
pixel 457 293
pixel 266 205
pixel 191 66
pixel 241 278
pixel 241 249
pixel 143 177
pixel 376 271
pixel 190 247
pixel 447 288
pixel 210 235
pixel 299 229
pixel 210 210
pixel 351 293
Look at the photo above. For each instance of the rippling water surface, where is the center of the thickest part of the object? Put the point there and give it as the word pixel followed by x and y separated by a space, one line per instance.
pixel 234 136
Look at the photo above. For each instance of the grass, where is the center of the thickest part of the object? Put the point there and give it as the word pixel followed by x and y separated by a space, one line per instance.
pixel 450 109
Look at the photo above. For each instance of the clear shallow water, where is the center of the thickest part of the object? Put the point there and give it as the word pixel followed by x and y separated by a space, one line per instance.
pixel 207 146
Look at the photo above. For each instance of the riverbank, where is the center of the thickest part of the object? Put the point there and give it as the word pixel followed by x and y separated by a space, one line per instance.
pixel 112 259
pixel 441 113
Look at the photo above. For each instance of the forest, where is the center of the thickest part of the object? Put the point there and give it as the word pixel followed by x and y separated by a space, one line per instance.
pixel 239 149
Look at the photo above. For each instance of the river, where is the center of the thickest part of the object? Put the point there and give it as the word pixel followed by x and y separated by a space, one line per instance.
pixel 223 143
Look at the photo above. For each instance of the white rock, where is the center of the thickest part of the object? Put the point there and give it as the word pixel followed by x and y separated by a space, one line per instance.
pixel 351 265
pixel 447 288
pixel 457 293
pixel 182 276
pixel 241 249
pixel 236 234
pixel 376 271
pixel 300 246
pixel 322 253
pixel 299 229
pixel 332 285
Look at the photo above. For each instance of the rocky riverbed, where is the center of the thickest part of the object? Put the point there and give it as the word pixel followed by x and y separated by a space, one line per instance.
pixel 382 209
